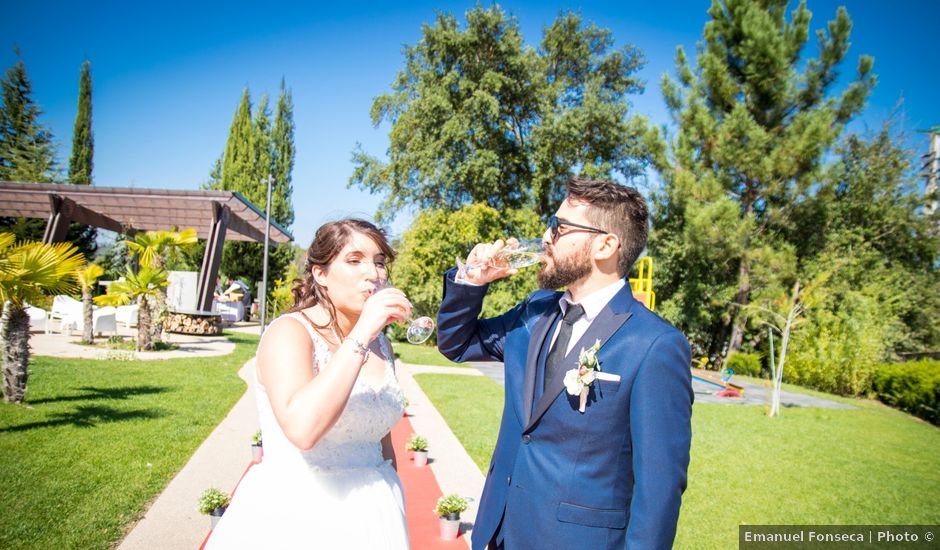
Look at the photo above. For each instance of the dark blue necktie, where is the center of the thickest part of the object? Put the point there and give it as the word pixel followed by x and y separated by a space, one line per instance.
pixel 553 365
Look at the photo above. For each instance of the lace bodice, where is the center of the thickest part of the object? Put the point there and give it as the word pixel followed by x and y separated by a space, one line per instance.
pixel 355 440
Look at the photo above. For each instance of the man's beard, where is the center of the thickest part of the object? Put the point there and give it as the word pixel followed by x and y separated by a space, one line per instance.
pixel 564 271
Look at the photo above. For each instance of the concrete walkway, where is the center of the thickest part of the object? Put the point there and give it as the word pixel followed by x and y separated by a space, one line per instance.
pixel 57 344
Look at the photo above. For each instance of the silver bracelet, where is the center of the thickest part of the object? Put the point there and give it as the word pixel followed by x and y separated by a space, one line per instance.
pixel 360 349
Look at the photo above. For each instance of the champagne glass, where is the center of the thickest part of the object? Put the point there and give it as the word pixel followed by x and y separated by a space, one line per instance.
pixel 420 329
pixel 524 253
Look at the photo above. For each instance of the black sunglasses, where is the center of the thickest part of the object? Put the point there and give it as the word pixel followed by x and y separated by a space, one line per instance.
pixel 554 223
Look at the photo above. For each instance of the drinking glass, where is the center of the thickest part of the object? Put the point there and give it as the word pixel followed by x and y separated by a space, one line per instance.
pixel 526 252
pixel 420 329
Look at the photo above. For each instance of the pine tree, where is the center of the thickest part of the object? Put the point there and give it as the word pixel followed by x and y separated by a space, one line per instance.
pixel 81 163
pixel 27 152
pixel 263 147
pixel 755 125
pixel 282 208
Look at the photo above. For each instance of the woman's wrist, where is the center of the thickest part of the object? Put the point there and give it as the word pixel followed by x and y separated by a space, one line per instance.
pixel 358 345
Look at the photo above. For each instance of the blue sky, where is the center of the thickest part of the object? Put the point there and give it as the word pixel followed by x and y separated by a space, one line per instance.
pixel 168 75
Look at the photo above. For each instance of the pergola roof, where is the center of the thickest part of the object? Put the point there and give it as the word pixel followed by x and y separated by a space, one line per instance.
pixel 130 209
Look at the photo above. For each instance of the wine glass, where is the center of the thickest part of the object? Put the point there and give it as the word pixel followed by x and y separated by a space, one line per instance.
pixel 420 329
pixel 524 253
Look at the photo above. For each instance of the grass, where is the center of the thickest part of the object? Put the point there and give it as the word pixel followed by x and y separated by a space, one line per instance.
pixel 869 465
pixel 98 440
pixel 471 406
pixel 422 355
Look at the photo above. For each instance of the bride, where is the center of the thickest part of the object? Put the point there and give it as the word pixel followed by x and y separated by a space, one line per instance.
pixel 327 398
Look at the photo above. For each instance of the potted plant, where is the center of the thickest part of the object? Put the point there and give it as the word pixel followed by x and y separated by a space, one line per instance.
pixel 419 445
pixel 448 510
pixel 256 447
pixel 213 503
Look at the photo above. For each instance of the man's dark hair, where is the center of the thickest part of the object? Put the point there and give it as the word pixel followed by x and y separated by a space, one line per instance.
pixel 617 209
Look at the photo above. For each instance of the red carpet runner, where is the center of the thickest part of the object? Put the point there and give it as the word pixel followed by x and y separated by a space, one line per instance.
pixel 421 494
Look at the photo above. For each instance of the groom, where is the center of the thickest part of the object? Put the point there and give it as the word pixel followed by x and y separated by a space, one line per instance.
pixel 611 476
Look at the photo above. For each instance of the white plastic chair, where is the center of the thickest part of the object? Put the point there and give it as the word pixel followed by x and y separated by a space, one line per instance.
pixel 38 318
pixel 103 320
pixel 63 307
pixel 127 315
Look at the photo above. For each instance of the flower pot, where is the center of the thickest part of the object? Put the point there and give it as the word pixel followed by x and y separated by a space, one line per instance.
pixel 450 526
pixel 256 453
pixel 215 515
pixel 421 458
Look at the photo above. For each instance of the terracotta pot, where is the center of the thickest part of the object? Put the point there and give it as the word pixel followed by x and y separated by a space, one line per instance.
pixel 450 528
pixel 421 458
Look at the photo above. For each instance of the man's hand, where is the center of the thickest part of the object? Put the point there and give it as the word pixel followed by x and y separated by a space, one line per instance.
pixel 484 264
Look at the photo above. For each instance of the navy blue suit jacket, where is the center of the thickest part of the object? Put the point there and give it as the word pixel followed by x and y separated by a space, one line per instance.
pixel 611 477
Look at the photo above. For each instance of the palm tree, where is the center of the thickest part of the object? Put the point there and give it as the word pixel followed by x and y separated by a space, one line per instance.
pixel 87 277
pixel 140 287
pixel 154 249
pixel 28 270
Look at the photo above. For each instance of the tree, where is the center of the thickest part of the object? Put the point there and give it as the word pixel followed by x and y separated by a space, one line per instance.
pixel 269 151
pixel 154 249
pixel 139 287
pixel 28 271
pixel 81 163
pixel 282 138
pixel 87 278
pixel 27 152
pixel 755 124
pixel 477 117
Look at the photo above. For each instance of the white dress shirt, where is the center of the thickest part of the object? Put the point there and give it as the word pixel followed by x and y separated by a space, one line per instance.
pixel 593 303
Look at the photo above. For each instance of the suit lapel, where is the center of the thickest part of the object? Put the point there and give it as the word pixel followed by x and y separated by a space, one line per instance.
pixel 607 322
pixel 532 358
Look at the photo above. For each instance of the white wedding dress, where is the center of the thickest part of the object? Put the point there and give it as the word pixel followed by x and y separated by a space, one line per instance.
pixel 340 494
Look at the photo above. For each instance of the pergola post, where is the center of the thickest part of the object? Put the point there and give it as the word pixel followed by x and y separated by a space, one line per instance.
pixel 209 271
pixel 61 210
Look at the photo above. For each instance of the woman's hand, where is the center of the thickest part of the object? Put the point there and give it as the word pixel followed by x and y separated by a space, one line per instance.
pixel 382 308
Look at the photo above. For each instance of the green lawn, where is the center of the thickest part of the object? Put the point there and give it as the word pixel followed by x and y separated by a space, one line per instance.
pixel 100 439
pixel 422 355
pixel 871 465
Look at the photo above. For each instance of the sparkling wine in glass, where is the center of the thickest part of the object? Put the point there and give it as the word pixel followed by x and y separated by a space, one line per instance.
pixel 525 253
pixel 420 329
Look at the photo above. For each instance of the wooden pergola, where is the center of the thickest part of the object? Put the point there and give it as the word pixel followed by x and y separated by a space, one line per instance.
pixel 128 210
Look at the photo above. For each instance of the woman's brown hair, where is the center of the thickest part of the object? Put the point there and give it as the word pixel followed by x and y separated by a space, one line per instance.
pixel 327 244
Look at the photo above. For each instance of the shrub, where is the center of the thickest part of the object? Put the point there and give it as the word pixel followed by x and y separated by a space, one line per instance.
pixel 451 504
pixel 256 438
pixel 913 387
pixel 211 499
pixel 746 364
pixel 417 443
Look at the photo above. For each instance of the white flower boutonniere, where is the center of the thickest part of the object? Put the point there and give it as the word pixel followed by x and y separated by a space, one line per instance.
pixel 579 380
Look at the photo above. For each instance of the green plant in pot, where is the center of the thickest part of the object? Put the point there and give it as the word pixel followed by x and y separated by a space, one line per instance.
pixel 213 503
pixel 419 446
pixel 448 509
pixel 256 451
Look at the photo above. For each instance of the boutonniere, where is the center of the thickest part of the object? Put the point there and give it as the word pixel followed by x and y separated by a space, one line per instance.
pixel 579 380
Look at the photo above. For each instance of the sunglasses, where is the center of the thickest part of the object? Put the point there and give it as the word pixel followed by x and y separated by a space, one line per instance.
pixel 555 223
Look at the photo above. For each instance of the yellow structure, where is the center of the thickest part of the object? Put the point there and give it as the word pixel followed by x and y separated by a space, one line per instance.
pixel 642 285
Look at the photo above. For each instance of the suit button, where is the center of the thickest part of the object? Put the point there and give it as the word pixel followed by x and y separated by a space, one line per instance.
pixel 526 439
pixel 509 480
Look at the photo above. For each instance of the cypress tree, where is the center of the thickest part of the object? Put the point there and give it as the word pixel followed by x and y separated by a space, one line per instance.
pixel 81 163
pixel 282 208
